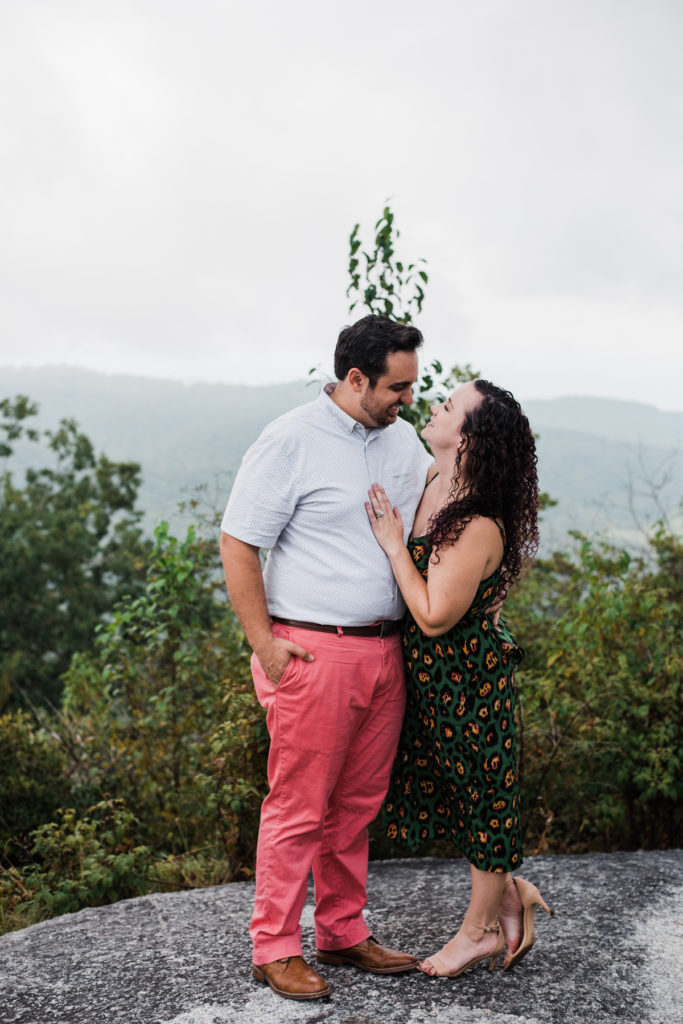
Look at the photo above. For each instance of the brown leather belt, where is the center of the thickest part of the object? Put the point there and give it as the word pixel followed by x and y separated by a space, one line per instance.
pixel 387 628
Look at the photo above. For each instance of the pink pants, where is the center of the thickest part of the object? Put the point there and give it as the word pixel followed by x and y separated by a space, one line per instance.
pixel 334 725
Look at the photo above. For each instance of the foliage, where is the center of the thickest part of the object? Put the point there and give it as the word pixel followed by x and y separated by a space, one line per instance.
pixel 142 710
pixel 388 286
pixel 33 769
pixel 70 547
pixel 234 785
pixel 14 412
pixel 601 698
pixel 159 723
pixel 77 862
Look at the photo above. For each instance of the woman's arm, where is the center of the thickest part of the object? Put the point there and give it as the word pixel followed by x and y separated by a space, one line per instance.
pixel 439 602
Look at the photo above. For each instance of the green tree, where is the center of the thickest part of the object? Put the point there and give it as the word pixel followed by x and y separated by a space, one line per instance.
pixel 381 283
pixel 70 547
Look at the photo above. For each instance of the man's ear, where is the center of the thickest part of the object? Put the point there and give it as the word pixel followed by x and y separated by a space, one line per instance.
pixel 356 378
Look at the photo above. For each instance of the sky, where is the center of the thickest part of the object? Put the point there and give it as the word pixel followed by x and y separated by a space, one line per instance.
pixel 180 179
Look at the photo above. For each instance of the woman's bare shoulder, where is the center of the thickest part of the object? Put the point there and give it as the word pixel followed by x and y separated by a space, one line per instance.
pixel 480 539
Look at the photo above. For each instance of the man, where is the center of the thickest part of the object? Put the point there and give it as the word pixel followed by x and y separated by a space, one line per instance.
pixel 322 619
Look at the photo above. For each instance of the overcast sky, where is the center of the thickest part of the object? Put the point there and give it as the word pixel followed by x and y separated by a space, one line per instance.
pixel 179 180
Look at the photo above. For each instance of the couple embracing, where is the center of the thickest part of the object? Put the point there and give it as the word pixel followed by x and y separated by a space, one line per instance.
pixel 379 659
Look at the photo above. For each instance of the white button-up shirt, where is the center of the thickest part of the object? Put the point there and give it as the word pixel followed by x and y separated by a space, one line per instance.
pixel 300 492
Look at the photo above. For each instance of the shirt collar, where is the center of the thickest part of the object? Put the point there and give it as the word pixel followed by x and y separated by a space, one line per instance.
pixel 347 423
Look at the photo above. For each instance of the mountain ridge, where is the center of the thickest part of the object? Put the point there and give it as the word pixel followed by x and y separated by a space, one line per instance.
pixel 593 453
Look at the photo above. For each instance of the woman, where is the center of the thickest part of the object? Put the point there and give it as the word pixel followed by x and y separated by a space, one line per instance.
pixel 455 774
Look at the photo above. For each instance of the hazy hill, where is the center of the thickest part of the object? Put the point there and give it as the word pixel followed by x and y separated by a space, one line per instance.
pixel 631 422
pixel 183 436
pixel 614 466
pixel 598 457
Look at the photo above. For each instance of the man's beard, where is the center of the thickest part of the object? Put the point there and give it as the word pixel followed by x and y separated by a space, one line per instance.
pixel 380 416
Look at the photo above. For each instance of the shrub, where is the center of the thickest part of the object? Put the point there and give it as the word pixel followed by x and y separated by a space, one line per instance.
pixel 33 769
pixel 77 862
pixel 163 716
pixel 601 700
pixel 235 786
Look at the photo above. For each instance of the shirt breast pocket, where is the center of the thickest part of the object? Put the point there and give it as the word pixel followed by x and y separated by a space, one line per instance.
pixel 404 489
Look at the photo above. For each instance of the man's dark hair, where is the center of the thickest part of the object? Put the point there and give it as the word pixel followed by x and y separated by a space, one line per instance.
pixel 367 343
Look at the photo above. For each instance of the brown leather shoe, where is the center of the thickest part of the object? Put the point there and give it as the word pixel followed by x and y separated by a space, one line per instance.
pixel 292 978
pixel 369 956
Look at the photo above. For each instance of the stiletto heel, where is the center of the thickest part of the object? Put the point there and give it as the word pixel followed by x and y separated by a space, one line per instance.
pixel 498 948
pixel 530 898
pixel 439 965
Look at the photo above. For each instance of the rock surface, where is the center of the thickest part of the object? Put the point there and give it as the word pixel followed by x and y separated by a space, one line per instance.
pixel 612 955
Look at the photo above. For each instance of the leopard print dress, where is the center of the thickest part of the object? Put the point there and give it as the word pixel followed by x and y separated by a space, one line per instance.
pixel 456 775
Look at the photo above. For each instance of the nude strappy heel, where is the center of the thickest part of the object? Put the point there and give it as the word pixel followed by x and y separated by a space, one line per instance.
pixel 530 898
pixel 442 971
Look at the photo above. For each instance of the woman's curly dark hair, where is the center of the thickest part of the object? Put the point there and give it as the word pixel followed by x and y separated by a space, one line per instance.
pixel 498 479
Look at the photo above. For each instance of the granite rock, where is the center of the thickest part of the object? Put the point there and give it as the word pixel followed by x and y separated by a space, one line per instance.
pixel 611 955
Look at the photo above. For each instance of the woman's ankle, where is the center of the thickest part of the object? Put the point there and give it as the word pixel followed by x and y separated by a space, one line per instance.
pixel 476 931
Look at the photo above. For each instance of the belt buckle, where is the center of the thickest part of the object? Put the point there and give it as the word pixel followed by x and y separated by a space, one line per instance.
pixel 381 628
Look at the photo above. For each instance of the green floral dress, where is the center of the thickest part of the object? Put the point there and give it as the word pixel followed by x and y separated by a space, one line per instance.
pixel 456 775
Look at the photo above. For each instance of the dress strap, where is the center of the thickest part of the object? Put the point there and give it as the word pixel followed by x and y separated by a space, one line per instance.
pixel 502 532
